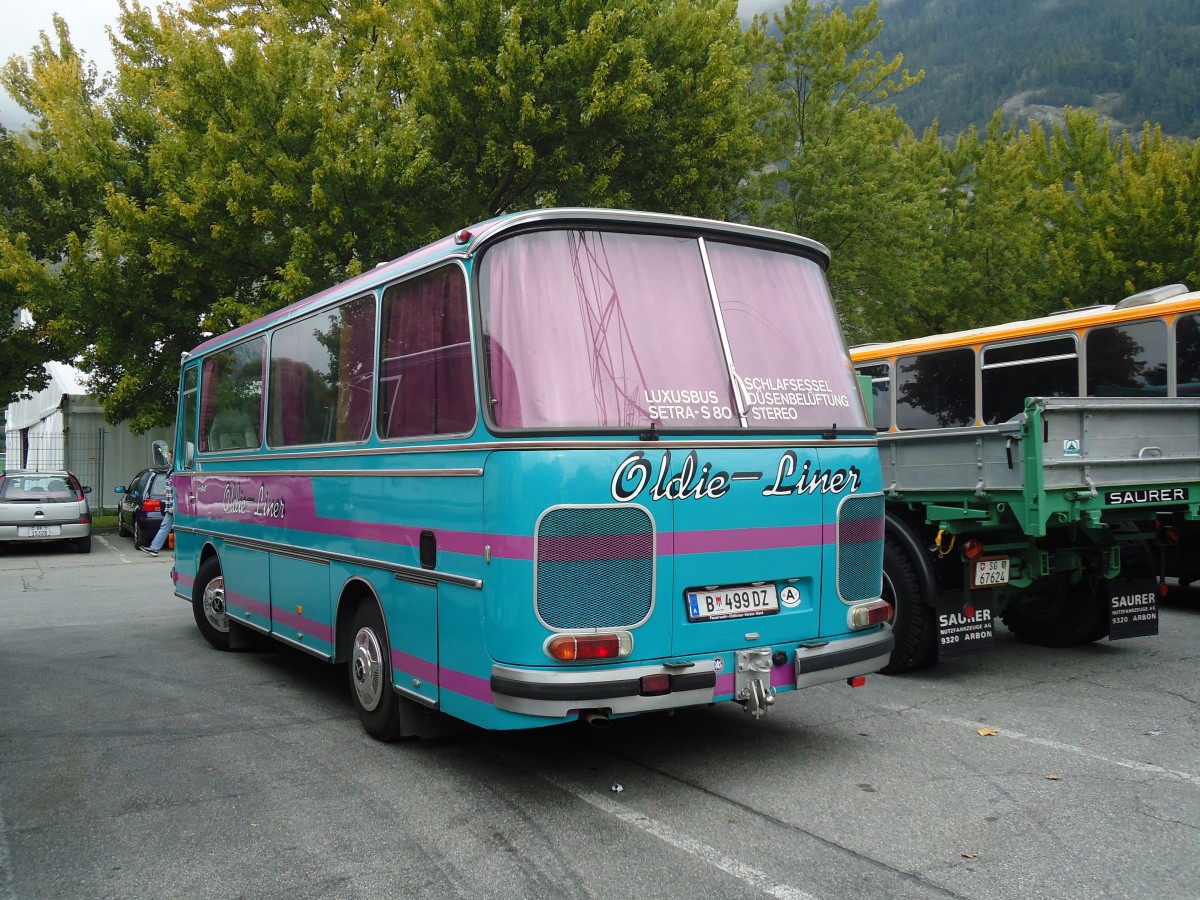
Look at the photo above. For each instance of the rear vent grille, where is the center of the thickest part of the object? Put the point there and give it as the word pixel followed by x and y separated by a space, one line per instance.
pixel 860 548
pixel 594 567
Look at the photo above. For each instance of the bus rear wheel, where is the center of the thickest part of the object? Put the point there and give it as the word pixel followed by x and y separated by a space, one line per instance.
pixel 384 714
pixel 1056 613
pixel 912 622
pixel 208 604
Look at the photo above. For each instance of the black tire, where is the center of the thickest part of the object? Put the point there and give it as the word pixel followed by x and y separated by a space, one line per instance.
pixel 208 604
pixel 913 624
pixel 139 534
pixel 84 544
pixel 385 715
pixel 123 530
pixel 1056 613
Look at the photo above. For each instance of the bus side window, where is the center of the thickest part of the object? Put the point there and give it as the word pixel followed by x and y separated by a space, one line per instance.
pixel 1187 356
pixel 321 377
pixel 1013 372
pixel 936 390
pixel 1128 360
pixel 881 394
pixel 426 381
pixel 231 397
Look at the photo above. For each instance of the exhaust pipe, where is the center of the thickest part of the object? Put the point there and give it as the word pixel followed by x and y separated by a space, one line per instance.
pixel 597 718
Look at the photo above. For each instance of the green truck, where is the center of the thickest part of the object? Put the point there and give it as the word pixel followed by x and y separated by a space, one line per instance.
pixel 1043 473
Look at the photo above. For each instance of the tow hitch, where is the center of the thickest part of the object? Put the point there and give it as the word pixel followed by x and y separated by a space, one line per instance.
pixel 752 681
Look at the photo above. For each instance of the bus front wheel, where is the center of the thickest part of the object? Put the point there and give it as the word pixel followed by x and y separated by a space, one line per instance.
pixel 208 604
pixel 385 715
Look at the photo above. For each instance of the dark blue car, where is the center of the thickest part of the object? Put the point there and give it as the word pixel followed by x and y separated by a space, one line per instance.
pixel 140 510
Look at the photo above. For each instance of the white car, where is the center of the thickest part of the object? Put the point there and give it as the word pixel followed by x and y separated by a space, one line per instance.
pixel 39 506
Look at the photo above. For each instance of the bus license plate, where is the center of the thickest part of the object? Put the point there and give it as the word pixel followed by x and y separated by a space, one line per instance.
pixel 732 602
pixel 990 572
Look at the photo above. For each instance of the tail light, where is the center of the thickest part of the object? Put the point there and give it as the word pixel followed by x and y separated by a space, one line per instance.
pixel 864 615
pixel 151 505
pixel 972 548
pixel 581 647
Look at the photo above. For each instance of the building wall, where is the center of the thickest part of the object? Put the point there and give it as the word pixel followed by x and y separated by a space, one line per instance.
pixel 63 427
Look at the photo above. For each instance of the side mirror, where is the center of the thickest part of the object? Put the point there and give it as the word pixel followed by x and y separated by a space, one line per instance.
pixel 159 449
pixel 119 489
pixel 87 489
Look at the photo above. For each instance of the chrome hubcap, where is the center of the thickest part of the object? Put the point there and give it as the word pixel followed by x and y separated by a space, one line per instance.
pixel 214 604
pixel 366 669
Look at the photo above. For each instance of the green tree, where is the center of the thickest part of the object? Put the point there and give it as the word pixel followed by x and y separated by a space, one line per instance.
pixel 991 231
pixel 51 181
pixel 247 155
pixel 1124 210
pixel 840 177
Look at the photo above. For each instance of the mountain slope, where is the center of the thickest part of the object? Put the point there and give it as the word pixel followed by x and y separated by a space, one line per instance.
pixel 1131 61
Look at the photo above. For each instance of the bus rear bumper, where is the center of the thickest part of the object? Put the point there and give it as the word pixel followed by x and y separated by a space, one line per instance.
pixel 561 693
pixel 847 658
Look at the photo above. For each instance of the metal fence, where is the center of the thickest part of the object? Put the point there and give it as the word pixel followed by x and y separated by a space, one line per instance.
pixel 80 452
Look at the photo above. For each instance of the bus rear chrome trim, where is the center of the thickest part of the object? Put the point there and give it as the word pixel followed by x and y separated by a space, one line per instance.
pixel 541 692
pixel 844 659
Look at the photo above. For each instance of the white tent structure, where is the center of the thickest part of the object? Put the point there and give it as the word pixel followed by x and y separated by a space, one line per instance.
pixel 63 427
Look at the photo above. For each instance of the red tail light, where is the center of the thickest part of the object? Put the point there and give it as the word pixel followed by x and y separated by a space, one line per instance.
pixel 577 647
pixel 151 505
pixel 972 548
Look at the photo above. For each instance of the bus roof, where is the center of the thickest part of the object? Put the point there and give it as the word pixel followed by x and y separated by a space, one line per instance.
pixel 1167 300
pixel 468 241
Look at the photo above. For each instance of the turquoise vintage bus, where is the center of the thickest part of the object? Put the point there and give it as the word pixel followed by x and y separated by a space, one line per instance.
pixel 564 464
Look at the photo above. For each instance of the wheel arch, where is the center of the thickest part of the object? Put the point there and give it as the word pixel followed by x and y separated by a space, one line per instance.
pixel 908 538
pixel 354 593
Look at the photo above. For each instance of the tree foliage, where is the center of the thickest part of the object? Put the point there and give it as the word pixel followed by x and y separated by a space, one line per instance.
pixel 247 155
pixel 838 176
pixel 244 155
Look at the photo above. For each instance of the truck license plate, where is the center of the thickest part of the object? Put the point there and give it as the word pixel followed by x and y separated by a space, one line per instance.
pixel 989 572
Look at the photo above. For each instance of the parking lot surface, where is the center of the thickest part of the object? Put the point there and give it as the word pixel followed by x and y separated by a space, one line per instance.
pixel 136 762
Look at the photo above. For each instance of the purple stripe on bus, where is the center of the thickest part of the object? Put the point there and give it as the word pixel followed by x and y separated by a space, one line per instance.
pixel 414 665
pixel 750 539
pixel 468 685
pixel 781 676
pixel 248 603
pixel 586 547
pixel 298 622
pixel 303 516
pixel 725 684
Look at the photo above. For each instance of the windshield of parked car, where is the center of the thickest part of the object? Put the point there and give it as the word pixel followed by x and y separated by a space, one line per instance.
pixel 609 330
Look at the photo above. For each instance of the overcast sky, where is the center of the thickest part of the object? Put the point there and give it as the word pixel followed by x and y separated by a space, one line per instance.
pixel 22 20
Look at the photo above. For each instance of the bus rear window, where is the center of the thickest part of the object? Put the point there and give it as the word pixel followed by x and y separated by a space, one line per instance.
pixel 610 330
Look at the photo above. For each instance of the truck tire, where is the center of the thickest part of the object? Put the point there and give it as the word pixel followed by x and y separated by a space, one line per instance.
pixel 1055 613
pixel 913 624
